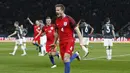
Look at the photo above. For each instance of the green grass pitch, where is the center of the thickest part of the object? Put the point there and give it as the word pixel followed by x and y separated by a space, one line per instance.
pixel 96 62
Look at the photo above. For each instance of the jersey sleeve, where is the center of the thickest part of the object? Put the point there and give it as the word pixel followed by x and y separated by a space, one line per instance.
pixel 72 22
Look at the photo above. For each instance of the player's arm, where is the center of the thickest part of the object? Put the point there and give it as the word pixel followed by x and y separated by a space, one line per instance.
pixel 103 30
pixel 76 28
pixel 55 39
pixel 12 34
pixel 113 32
pixel 78 24
pixel 37 30
pixel 92 29
pixel 43 31
pixel 38 34
pixel 30 21
pixel 79 35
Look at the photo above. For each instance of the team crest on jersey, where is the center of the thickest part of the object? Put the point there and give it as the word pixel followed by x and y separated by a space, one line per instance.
pixel 52 28
pixel 65 23
pixel 49 31
pixel 39 28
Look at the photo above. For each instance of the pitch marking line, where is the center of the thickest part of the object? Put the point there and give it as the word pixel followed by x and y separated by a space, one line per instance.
pixel 101 57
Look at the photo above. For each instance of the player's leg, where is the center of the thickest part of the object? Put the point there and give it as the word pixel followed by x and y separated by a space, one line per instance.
pixel 39 47
pixel 35 42
pixel 51 56
pixel 68 57
pixel 85 46
pixel 54 52
pixel 15 47
pixel 22 47
pixel 24 42
pixel 106 44
pixel 110 49
pixel 43 43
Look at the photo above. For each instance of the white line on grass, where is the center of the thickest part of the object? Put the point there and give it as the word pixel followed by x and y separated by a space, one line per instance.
pixel 101 57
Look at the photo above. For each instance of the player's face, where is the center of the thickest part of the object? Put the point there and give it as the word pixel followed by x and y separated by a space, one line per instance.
pixel 37 23
pixel 48 21
pixel 59 11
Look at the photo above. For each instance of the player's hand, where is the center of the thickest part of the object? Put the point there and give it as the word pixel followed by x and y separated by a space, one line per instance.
pixel 114 38
pixel 89 34
pixel 53 46
pixel 27 18
pixel 8 37
pixel 78 23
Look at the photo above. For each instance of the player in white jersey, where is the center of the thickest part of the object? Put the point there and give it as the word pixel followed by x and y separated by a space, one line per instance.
pixel 108 33
pixel 86 31
pixel 43 40
pixel 24 33
pixel 18 33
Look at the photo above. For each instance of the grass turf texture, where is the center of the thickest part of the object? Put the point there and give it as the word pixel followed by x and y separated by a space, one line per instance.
pixel 32 63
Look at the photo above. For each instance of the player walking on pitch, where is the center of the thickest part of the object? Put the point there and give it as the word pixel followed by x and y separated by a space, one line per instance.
pixel 19 41
pixel 24 33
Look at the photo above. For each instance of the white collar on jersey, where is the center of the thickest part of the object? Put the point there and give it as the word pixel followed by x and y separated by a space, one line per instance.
pixel 64 15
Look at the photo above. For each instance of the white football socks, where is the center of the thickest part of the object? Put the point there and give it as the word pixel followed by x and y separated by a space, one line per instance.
pixel 15 49
pixel 43 50
pixel 85 49
pixel 109 53
pixel 23 48
pixel 24 45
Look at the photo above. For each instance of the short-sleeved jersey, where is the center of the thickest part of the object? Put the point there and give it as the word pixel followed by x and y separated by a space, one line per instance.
pixel 108 28
pixel 18 33
pixel 49 31
pixel 84 27
pixel 24 32
pixel 65 27
pixel 36 30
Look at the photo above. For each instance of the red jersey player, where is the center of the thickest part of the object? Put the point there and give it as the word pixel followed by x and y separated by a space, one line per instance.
pixel 37 33
pixel 50 32
pixel 65 26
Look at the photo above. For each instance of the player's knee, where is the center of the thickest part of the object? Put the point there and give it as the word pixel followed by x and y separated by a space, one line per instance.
pixel 49 54
pixel 67 57
pixel 53 53
pixel 33 42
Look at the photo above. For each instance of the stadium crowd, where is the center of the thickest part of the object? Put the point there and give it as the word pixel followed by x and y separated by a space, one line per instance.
pixel 93 11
